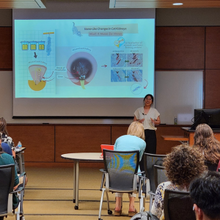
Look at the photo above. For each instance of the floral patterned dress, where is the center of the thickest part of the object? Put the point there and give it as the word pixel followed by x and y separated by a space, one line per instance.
pixel 158 204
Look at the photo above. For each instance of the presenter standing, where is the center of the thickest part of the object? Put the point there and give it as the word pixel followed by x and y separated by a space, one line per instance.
pixel 150 117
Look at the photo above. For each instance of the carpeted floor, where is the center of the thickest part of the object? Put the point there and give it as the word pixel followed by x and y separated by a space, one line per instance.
pixel 49 195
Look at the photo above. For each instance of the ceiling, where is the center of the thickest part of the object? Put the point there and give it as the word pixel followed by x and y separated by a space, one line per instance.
pixel 16 4
pixel 164 3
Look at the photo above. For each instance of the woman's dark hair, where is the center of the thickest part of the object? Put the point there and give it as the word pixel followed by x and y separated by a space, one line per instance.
pixel 3 126
pixel 150 96
pixel 205 193
pixel 1 150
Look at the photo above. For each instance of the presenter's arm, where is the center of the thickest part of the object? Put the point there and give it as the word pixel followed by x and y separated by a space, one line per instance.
pixel 141 120
pixel 157 121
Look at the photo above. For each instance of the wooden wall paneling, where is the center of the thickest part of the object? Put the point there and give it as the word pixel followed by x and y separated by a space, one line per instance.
pixel 6 48
pixel 164 147
pixel 80 138
pixel 212 89
pixel 212 48
pixel 38 140
pixel 117 131
pixel 180 48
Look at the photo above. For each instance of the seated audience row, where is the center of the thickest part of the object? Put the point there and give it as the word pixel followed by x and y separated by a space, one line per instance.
pixel 182 165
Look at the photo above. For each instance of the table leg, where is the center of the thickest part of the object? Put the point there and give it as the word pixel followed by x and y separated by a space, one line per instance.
pixel 77 184
pixel 74 182
pixel 20 160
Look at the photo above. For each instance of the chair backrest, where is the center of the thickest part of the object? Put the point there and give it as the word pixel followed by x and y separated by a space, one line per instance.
pixel 149 161
pixel 159 174
pixel 178 205
pixel 121 167
pixel 211 166
pixel 7 178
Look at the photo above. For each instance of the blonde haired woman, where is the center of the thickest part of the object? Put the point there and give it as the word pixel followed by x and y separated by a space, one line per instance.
pixel 134 140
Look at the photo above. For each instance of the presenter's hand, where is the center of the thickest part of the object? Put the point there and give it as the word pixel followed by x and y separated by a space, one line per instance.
pixel 141 120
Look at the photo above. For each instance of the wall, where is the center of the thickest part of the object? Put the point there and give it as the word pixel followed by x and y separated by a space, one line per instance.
pixel 186 39
pixel 46 143
pixel 177 48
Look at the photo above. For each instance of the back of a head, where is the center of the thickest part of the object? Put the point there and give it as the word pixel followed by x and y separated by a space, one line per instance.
pixel 136 129
pixel 3 126
pixel 203 132
pixel 205 141
pixel 1 149
pixel 205 193
pixel 183 164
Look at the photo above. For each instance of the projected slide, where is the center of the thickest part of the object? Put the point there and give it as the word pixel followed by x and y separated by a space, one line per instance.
pixel 96 58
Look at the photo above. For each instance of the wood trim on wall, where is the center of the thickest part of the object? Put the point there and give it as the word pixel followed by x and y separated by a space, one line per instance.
pixel 212 48
pixel 45 143
pixel 212 89
pixel 6 48
pixel 180 48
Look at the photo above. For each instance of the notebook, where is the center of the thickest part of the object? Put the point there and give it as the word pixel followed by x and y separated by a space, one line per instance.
pixel 106 146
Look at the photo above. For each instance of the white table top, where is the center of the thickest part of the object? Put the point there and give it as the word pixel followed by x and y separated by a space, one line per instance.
pixel 83 156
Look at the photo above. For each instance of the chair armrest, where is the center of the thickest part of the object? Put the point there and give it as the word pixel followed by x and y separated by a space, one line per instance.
pixel 142 173
pixel 102 170
pixel 22 185
pixel 151 193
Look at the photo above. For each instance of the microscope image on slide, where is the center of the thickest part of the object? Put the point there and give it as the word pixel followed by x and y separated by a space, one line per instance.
pixel 81 68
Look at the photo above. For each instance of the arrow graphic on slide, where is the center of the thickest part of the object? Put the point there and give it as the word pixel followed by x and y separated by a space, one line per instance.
pixel 146 85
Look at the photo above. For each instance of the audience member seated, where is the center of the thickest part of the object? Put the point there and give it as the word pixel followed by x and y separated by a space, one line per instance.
pixel 5 138
pixel 206 143
pixel 134 140
pixel 6 159
pixel 6 148
pixel 205 193
pixel 182 165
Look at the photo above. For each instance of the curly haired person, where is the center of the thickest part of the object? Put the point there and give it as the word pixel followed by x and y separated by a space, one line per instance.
pixel 182 165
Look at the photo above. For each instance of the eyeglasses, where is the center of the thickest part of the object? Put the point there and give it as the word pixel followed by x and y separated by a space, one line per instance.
pixel 149 99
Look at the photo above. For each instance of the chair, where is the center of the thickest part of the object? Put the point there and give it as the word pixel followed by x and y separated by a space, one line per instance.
pixel 159 177
pixel 7 177
pixel 178 205
pixel 159 174
pixel 149 161
pixel 120 173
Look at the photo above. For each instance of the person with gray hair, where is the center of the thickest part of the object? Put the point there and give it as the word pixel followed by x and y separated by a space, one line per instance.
pixel 205 194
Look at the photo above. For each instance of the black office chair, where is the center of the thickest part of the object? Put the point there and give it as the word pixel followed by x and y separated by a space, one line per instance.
pixel 149 161
pixel 7 178
pixel 178 205
pixel 120 173
pixel 159 174
pixel 211 166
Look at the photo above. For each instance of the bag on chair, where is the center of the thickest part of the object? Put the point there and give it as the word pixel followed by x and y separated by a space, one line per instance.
pixel 144 216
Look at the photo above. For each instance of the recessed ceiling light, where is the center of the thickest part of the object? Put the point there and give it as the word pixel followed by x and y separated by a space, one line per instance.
pixel 177 3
